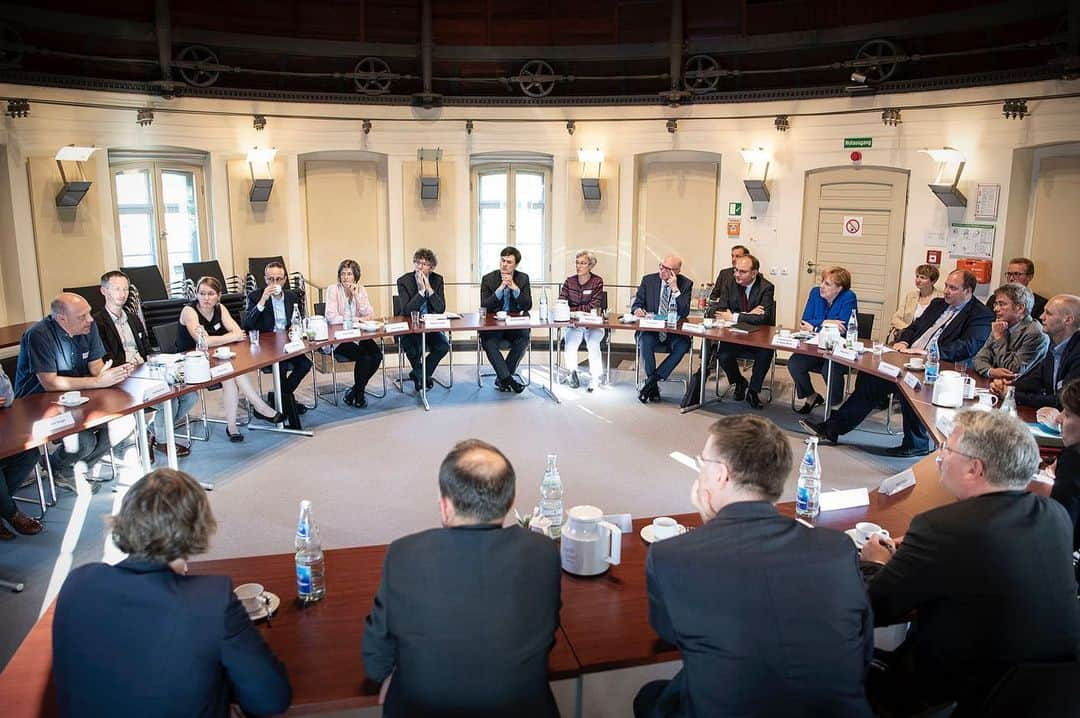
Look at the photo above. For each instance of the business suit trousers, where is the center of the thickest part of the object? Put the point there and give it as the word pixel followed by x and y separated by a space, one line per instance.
pixel 728 357
pixel 366 359
pixel 293 372
pixel 13 471
pixel 437 348
pixel 518 341
pixel 800 366
pixel 867 396
pixel 675 345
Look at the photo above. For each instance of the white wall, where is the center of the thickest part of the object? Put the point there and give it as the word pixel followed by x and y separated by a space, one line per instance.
pixel 623 133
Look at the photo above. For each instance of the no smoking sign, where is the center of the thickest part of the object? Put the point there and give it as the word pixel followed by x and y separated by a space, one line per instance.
pixel 852 226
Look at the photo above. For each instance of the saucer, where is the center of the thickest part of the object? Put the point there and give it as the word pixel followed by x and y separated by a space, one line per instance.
pixel 647 535
pixel 72 404
pixel 909 365
pixel 273 605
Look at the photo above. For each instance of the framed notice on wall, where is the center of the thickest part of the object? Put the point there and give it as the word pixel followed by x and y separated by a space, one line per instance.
pixel 974 241
pixel 986 201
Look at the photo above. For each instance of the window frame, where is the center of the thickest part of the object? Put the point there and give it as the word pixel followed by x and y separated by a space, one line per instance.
pixel 510 169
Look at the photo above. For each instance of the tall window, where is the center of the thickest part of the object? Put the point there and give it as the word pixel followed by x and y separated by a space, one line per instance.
pixel 512 209
pixel 160 216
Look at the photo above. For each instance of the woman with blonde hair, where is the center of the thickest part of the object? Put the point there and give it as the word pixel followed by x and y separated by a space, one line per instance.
pixel 583 292
pixel 831 302
pixel 916 301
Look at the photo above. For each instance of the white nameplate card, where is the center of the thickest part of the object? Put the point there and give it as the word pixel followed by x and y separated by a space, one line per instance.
pixel 651 323
pixel 833 500
pixel 625 522
pixel 44 427
pixel 944 420
pixel 590 319
pixel 397 326
pixel 912 381
pixel 693 328
pixel 297 346
pixel 221 369
pixel 736 330
pixel 897 483
pixel 887 368
pixel 164 358
pixel 845 353
pixel 158 388
pixel 347 333
pixel 518 321
pixel 787 342
pixel 433 318
pixel 443 323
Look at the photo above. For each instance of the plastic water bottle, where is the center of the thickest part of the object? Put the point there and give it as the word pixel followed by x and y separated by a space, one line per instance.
pixel 551 491
pixel 310 564
pixel 672 318
pixel 200 342
pixel 853 329
pixel 543 306
pixel 1008 404
pixel 808 492
pixel 933 361
pixel 296 328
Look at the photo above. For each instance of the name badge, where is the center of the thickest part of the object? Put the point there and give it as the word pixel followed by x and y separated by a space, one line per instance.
pixel 86 355
pixel 651 323
pixel 44 427
pixel 693 328
pixel 519 321
pixel 788 342
pixel 347 333
pixel 844 353
pixel 890 369
pixel 590 319
pixel 217 326
pixel 443 323
pixel 221 370
pixel 912 381
pixel 586 291
pixel 397 327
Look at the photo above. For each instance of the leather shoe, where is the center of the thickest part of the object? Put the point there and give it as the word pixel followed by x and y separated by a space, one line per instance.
pixel 429 383
pixel 234 438
pixel 753 400
pixel 574 382
pixel 693 392
pixel 275 419
pixel 648 391
pixel 26 525
pixel 516 386
pixel 740 389
pixel 821 430
pixel 810 404
pixel 906 452
pixel 182 450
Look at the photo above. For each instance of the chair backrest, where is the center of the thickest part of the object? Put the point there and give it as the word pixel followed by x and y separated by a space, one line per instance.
pixel 149 281
pixel 603 300
pixel 197 270
pixel 257 267
pixel 166 336
pixel 866 325
pixel 397 306
pixel 320 308
pixel 1047 690
pixel 9 365
pixel 91 293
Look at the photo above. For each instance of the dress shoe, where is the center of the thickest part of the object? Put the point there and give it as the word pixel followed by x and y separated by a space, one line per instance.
pixel 5 534
pixel 430 383
pixel 516 386
pixel 574 382
pixel 740 389
pixel 821 430
pixel 753 400
pixel 182 450
pixel 277 418
pixel 810 404
pixel 906 452
pixel 26 525
pixel 350 397
pixel 593 385
pixel 647 391
pixel 501 385
pixel 234 438
pixel 693 392
pixel 301 408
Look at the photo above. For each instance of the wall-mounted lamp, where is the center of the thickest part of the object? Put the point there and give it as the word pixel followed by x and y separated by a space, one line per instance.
pixel 18 108
pixel 590 186
pixel 468 127
pixel 73 191
pixel 570 127
pixel 890 117
pixel 259 122
pixel 144 117
pixel 782 123
pixel 757 167
pixel 366 127
pixel 1015 109
pixel 429 184
pixel 950 166
pixel 264 182
pixel 672 126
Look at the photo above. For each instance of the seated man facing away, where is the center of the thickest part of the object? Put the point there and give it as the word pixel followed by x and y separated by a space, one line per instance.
pixel 659 294
pixel 989 578
pixel 63 352
pixel 1042 385
pixel 771 616
pixel 466 614
pixel 961 327
pixel 506 290
pixel 1016 342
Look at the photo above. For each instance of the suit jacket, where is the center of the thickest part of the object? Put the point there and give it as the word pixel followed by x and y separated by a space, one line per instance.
pixel 110 338
pixel 491 281
pixel 761 294
pixel 991 582
pixel 961 338
pixel 743 599
pixel 726 276
pixel 648 295
pixel 465 618
pixel 1066 489
pixel 411 299
pixel 1036 388
pixel 264 320
pixel 137 639
pixel 1021 349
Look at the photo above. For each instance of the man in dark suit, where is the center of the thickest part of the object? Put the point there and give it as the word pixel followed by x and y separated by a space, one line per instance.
pixel 466 614
pixel 1021 270
pixel 1042 385
pixel 280 301
pixel 749 298
pixel 989 578
pixel 421 290
pixel 961 326
pixel 506 290
pixel 126 340
pixel 659 294
pixel 770 615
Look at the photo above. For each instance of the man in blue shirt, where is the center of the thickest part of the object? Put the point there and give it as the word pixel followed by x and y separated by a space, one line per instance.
pixel 63 352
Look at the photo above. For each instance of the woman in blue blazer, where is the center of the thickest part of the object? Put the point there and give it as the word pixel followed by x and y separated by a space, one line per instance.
pixel 831 302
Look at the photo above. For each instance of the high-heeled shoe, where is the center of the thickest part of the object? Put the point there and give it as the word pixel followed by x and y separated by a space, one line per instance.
pixel 275 419
pixel 234 438
pixel 810 404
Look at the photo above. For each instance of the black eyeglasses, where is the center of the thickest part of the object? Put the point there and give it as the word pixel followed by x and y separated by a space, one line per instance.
pixel 274 280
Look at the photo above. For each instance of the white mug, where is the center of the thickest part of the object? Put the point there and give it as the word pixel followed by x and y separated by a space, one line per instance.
pixel 708 322
pixel 865 529
pixel 500 314
pixel 987 399
pixel 916 362
pixel 250 594
pixel 70 397
pixel 785 333
pixel 541 525
pixel 665 527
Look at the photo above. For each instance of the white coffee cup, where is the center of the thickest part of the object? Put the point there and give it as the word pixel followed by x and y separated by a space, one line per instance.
pixel 858 346
pixel 250 594
pixel 785 333
pixel 222 352
pixel 865 529
pixel 708 322
pixel 916 362
pixel 70 397
pixel 501 314
pixel 986 399
pixel 541 525
pixel 277 290
pixel 664 527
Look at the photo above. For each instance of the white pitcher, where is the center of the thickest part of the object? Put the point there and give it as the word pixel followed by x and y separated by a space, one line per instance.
pixel 589 544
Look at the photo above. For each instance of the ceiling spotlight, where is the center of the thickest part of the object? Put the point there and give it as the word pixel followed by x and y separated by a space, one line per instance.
pixel 859 77
pixel 890 117
pixel 672 125
pixel 145 117
pixel 18 108
pixel 570 127
pixel 781 123
pixel 1015 109
pixel 366 127
pixel 468 127
pixel 259 123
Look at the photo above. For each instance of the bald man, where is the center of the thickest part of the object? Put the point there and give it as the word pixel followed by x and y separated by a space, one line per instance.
pixel 1042 385
pixel 658 294
pixel 63 352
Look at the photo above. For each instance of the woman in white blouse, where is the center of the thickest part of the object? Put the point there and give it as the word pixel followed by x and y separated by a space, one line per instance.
pixel 916 301
pixel 348 298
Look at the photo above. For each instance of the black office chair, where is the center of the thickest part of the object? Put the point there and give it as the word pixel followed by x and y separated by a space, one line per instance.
pixel 1047 690
pixel 91 293
pixel 149 281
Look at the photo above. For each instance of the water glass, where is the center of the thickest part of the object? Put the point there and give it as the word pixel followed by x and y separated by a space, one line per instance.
pixel 253 337
pixel 415 317
pixel 483 313
pixel 879 347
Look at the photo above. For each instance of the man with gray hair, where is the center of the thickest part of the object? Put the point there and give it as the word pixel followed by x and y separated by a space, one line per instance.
pixel 989 578
pixel 1041 386
pixel 1016 342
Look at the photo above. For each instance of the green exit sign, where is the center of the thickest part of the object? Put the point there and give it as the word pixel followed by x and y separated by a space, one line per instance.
pixel 858 142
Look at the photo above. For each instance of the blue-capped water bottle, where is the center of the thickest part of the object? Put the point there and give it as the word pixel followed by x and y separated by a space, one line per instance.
pixel 310 563
pixel 808 491
pixel 933 361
